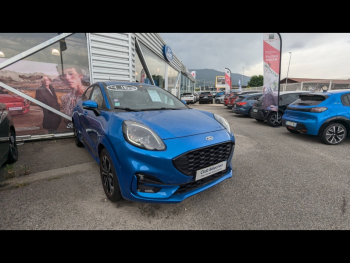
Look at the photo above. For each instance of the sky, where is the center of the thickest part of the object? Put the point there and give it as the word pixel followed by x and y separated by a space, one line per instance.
pixel 314 55
pixel 25 66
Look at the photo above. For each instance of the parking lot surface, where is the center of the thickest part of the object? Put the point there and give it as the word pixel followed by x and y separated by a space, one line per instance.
pixel 280 181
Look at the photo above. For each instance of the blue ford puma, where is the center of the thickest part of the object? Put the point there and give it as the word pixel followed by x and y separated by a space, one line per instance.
pixel 150 146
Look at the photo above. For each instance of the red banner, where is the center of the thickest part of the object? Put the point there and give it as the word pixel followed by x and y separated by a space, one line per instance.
pixel 228 80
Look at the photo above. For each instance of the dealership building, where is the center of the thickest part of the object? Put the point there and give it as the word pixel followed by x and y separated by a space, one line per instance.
pixel 27 58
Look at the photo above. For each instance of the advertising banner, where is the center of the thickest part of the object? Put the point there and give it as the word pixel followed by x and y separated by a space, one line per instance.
pixel 220 82
pixel 272 64
pixel 56 76
pixel 228 80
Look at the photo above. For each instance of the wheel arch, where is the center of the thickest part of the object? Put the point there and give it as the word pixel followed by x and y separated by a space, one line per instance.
pixel 341 120
pixel 104 144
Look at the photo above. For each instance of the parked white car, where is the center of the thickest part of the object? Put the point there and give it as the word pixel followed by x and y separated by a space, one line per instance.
pixel 189 97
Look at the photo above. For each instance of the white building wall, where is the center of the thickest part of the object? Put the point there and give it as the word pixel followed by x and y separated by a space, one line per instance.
pixel 111 56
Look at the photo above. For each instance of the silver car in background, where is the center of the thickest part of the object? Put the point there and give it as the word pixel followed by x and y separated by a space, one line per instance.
pixel 220 99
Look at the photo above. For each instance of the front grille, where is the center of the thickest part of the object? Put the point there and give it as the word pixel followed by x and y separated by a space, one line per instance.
pixel 196 184
pixel 188 163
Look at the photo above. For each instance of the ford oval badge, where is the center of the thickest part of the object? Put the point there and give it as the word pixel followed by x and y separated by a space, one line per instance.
pixel 209 138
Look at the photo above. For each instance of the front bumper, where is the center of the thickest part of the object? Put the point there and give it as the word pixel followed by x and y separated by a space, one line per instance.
pixel 175 186
pixel 258 115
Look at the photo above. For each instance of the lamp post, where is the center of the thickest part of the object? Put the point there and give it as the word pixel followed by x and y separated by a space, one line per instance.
pixel 288 66
pixel 242 77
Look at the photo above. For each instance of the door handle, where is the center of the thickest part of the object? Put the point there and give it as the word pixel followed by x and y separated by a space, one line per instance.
pixel 85 113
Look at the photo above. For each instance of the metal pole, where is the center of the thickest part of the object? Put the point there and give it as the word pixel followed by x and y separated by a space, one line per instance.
pixel 288 66
pixel 242 77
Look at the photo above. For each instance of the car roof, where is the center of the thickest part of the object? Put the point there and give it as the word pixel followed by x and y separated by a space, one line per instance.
pixel 292 92
pixel 251 94
pixel 330 92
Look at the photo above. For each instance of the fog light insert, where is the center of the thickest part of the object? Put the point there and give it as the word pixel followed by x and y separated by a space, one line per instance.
pixel 146 183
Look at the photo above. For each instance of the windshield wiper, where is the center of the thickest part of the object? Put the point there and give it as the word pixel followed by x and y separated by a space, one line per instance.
pixel 160 109
pixel 127 109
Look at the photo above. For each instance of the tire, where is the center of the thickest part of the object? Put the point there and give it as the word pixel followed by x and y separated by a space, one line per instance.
pixel 13 151
pixel 78 143
pixel 273 121
pixel 211 102
pixel 292 131
pixel 109 177
pixel 250 113
pixel 260 120
pixel 333 134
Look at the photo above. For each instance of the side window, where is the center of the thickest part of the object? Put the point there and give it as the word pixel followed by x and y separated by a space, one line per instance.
pixel 87 93
pixel 97 96
pixel 345 99
pixel 290 98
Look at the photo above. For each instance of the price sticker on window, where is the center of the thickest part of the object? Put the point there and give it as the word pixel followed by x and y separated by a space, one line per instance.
pixel 154 95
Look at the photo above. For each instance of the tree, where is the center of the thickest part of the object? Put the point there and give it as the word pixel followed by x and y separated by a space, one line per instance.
pixel 256 81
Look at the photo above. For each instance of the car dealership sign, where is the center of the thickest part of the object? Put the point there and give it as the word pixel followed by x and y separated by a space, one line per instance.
pixel 168 53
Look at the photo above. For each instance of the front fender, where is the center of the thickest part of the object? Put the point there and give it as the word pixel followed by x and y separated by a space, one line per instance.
pixel 111 149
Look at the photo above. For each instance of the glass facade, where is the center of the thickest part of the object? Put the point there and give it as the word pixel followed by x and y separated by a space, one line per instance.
pixel 155 65
pixel 186 84
pixel 55 76
pixel 158 67
pixel 140 73
pixel 172 77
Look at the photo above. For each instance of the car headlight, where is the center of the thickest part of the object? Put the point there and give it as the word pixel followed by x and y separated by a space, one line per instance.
pixel 223 121
pixel 141 136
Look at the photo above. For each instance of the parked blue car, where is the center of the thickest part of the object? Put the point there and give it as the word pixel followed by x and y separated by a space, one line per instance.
pixel 325 114
pixel 244 103
pixel 150 146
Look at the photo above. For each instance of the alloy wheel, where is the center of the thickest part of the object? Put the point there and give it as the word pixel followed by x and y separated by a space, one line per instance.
pixel 335 134
pixel 107 175
pixel 13 144
pixel 274 120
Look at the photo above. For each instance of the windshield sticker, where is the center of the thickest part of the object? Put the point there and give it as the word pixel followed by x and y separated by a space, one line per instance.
pixel 154 95
pixel 121 88
pixel 116 104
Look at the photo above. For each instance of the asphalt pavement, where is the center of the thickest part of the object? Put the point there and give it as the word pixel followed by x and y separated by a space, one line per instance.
pixel 280 181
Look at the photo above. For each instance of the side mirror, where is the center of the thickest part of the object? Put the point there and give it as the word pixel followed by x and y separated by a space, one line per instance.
pixel 184 102
pixel 91 105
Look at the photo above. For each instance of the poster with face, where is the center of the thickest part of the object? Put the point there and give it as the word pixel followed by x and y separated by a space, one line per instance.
pixel 57 85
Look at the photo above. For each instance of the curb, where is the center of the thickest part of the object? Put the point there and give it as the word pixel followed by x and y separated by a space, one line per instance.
pixel 46 175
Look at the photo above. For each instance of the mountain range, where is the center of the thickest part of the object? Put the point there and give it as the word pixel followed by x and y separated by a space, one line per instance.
pixel 209 75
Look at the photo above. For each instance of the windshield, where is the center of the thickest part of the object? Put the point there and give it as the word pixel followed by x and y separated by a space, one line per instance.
pixel 142 98
pixel 185 94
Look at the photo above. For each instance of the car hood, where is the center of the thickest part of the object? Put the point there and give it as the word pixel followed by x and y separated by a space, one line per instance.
pixel 170 124
pixel 10 98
